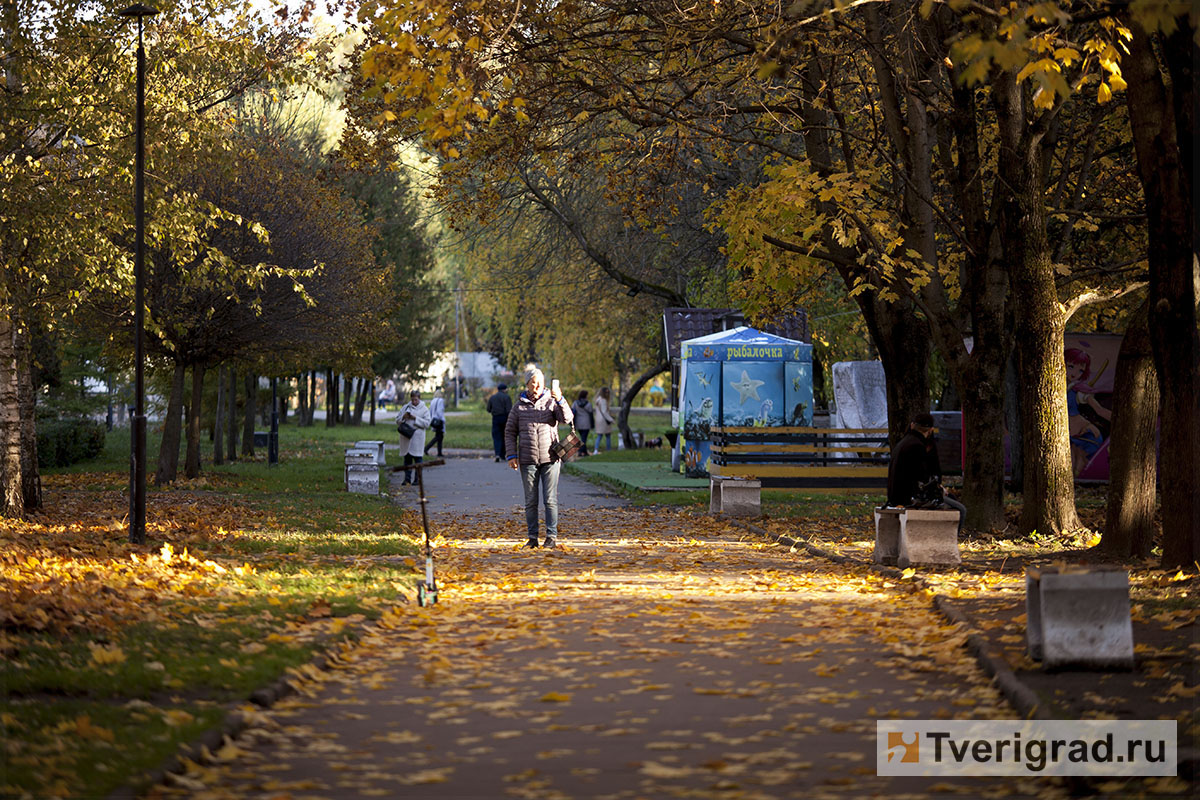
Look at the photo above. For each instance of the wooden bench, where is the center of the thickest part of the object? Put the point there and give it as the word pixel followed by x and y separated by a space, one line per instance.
pixel 827 460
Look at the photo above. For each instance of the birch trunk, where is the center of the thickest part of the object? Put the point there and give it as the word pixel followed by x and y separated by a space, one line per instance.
pixel 12 503
pixel 31 480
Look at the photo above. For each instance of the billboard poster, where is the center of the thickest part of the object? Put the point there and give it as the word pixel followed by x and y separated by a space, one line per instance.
pixel 1091 361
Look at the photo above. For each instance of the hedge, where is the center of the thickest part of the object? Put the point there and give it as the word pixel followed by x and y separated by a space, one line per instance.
pixel 63 442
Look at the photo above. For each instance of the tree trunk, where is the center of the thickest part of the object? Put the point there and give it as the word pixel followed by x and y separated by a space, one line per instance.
pixel 219 422
pixel 331 405
pixel 627 400
pixel 983 464
pixel 31 479
pixel 347 396
pixel 251 386
pixel 1049 501
pixel 168 451
pixel 372 402
pixel 1129 520
pixel 1012 420
pixel 1163 124
pixel 232 442
pixel 360 401
pixel 193 429
pixel 12 504
pixel 902 339
pixel 302 399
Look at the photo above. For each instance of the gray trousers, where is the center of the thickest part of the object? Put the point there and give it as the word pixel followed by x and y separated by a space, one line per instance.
pixel 547 475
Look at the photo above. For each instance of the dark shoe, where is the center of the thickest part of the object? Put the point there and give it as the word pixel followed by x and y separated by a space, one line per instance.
pixel 550 542
pixel 532 542
pixel 497 459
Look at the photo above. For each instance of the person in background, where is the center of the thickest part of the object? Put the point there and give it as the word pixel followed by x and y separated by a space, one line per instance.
pixel 603 420
pixel 499 405
pixel 437 421
pixel 582 410
pixel 416 414
pixel 531 430
pixel 388 394
pixel 914 465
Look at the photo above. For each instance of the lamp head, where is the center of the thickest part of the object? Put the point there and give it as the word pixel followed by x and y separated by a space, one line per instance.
pixel 138 10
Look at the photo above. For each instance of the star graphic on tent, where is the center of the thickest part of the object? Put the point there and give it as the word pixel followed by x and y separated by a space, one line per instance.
pixel 747 388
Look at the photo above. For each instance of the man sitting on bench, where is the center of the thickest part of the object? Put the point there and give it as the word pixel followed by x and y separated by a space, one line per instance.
pixel 915 474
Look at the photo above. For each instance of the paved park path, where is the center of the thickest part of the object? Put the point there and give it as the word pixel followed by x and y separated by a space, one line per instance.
pixel 657 655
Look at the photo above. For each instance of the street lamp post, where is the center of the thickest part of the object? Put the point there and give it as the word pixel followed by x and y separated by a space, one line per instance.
pixel 137 476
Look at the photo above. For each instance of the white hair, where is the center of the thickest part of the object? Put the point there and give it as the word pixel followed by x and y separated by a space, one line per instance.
pixel 535 373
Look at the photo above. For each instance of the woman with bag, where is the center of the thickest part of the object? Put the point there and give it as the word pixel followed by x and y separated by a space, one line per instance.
pixel 604 422
pixel 437 413
pixel 411 423
pixel 530 439
pixel 582 410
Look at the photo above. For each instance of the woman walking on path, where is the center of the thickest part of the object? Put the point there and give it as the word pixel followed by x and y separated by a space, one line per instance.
pixel 531 430
pixel 415 414
pixel 604 421
pixel 437 421
pixel 582 410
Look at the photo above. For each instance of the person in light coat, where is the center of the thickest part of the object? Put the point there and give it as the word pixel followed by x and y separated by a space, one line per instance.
pixel 416 414
pixel 531 430
pixel 604 420
pixel 437 409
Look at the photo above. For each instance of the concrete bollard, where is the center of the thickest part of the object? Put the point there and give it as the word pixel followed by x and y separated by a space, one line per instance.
pixel 377 446
pixel 928 536
pixel 1079 618
pixel 735 497
pixel 362 473
pixel 887 535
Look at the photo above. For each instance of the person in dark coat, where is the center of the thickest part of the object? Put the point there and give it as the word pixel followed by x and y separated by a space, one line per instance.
pixel 499 405
pixel 914 463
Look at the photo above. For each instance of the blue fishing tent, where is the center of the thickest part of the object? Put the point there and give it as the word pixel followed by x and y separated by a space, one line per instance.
pixel 743 378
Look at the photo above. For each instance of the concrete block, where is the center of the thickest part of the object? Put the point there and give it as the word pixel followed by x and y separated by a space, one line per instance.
pixel 377 446
pixel 1079 618
pixel 887 535
pixel 362 479
pixel 735 497
pixel 360 457
pixel 928 536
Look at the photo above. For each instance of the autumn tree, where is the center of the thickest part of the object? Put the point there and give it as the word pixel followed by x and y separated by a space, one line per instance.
pixel 66 151
pixel 1161 97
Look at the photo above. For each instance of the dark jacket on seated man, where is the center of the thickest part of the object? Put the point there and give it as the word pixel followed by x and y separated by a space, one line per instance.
pixel 914 462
